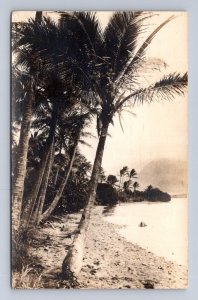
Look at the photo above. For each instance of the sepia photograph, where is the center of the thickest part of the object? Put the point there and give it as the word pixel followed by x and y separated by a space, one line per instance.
pixel 99 150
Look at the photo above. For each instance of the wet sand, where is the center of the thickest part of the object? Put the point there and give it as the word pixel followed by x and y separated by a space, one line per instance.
pixel 109 261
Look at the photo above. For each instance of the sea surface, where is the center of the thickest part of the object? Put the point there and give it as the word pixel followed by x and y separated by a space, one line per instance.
pixel 166 233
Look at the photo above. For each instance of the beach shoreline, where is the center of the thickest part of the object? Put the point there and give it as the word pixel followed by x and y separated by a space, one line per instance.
pixel 110 261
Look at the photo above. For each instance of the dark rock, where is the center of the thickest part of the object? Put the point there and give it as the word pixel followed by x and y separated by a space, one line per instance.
pixel 142 224
pixel 93 272
pixel 148 285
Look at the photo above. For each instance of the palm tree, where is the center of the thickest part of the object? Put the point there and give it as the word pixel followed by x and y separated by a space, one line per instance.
pixel 133 174
pixel 149 188
pixel 22 149
pixel 128 183
pixel 118 84
pixel 135 186
pixel 62 70
pixel 123 172
pixel 81 123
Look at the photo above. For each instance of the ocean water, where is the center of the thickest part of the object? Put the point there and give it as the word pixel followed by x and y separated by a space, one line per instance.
pixel 166 233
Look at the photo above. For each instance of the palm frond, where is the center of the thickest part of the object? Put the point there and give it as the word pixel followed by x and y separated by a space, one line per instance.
pixel 82 142
pixel 120 120
pixel 140 54
pixel 121 36
pixel 165 89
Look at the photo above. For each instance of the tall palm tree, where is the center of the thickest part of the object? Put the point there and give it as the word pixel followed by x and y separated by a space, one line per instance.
pixel 81 123
pixel 119 83
pixel 22 150
pixel 62 71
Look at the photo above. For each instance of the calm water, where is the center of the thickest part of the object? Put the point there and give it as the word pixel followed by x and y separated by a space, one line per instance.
pixel 166 230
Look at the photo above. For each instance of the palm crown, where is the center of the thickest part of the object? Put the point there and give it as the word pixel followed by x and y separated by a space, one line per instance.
pixel 117 59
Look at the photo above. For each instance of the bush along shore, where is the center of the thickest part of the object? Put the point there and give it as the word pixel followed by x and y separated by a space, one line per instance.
pixel 107 194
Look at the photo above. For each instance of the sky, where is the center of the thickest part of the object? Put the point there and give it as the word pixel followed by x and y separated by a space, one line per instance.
pixel 156 130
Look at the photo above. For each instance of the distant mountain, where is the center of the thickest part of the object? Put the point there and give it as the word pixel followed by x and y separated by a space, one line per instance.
pixel 168 175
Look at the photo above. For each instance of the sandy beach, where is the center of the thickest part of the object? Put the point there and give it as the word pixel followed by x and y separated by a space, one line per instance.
pixel 109 262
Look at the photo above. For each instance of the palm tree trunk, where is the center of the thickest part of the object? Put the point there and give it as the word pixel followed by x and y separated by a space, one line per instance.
pixel 72 263
pixel 56 175
pixel 32 196
pixel 120 182
pixel 59 193
pixel 41 199
pixel 20 171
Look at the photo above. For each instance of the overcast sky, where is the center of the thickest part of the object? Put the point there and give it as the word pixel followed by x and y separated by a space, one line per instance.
pixel 158 130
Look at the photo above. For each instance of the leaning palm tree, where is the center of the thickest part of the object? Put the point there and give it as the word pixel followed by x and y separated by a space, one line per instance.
pixel 133 174
pixel 118 85
pixel 22 149
pixel 81 122
pixel 61 68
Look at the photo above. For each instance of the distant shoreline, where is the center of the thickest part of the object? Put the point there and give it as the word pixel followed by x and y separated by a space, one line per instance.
pixel 179 196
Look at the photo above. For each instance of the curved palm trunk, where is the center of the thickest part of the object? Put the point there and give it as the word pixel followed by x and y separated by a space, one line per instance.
pixel 59 193
pixel 72 263
pixel 120 182
pixel 32 196
pixel 41 199
pixel 56 175
pixel 20 171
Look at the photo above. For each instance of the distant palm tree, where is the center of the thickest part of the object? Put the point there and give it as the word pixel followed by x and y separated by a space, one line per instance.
pixel 149 188
pixel 117 82
pixel 127 185
pixel 133 174
pixel 124 171
pixel 135 185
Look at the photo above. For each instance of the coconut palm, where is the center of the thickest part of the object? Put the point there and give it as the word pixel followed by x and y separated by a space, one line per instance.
pixel 135 185
pixel 133 174
pixel 123 172
pixel 61 71
pixel 75 133
pixel 149 188
pixel 118 85
pixel 22 150
pixel 127 184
